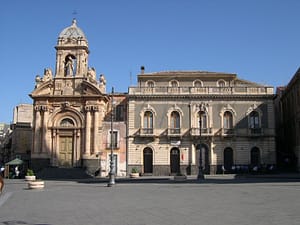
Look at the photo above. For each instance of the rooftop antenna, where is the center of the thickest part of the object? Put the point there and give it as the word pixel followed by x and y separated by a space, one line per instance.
pixel 130 77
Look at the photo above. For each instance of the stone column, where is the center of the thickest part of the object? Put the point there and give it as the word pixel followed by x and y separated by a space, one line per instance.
pixel 74 163
pixel 54 148
pixel 57 147
pixel 37 130
pixel 88 131
pixel 44 132
pixel 59 65
pixel 96 121
pixel 78 146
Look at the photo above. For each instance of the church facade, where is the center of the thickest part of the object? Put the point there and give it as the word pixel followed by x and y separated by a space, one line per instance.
pixel 180 121
pixel 70 106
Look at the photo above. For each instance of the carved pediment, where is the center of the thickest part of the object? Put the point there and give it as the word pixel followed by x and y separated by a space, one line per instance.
pixel 67 87
pixel 43 89
pixel 89 88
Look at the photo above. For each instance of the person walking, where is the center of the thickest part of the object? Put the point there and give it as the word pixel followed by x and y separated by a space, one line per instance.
pixel 1 184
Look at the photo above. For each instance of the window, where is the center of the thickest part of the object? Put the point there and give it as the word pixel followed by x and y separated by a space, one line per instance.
pixel 150 84
pixel 198 84
pixel 227 120
pixel 113 139
pixel 67 123
pixel 120 113
pixel 221 83
pixel 174 84
pixel 254 120
pixel 202 119
pixel 148 122
pixel 175 122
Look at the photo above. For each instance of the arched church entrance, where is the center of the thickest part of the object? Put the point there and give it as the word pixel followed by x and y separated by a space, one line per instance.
pixel 66 143
pixel 65 158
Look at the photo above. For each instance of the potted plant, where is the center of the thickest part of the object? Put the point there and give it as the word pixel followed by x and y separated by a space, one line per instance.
pixel 36 184
pixel 33 183
pixel 134 173
pixel 30 175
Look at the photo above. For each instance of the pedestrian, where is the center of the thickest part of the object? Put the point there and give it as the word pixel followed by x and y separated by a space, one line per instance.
pixel 1 184
pixel 2 171
pixel 17 172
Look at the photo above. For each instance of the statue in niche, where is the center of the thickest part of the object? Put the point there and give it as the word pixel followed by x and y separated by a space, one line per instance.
pixel 47 74
pixel 69 67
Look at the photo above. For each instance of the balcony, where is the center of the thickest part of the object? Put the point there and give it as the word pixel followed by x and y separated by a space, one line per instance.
pixel 228 131
pixel 174 132
pixel 115 146
pixel 204 131
pixel 146 132
pixel 255 131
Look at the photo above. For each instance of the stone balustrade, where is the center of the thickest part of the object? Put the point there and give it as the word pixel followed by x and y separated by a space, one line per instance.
pixel 202 90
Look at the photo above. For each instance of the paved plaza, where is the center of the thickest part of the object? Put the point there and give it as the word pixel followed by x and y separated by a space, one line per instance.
pixel 216 201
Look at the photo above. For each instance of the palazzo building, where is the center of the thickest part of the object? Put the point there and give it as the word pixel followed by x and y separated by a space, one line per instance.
pixel 175 116
pixel 70 107
pixel 288 124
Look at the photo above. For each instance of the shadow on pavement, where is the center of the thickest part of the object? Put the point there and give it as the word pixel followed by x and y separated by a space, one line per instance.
pixel 234 179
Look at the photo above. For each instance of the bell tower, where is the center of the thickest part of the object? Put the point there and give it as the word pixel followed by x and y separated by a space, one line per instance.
pixel 71 53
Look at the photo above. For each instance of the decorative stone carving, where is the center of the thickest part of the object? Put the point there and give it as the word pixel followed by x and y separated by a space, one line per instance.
pixel 102 83
pixel 47 74
pixel 69 66
pixel 102 79
pixel 38 81
pixel 41 108
pixel 68 89
pixel 90 108
pixel 65 105
pixel 91 75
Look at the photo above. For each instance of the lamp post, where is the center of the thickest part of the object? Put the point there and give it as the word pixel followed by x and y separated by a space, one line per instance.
pixel 112 166
pixel 200 172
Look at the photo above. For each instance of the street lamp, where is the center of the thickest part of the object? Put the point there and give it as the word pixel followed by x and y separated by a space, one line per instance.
pixel 112 166
pixel 200 172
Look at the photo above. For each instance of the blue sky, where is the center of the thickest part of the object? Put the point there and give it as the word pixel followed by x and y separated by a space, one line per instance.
pixel 256 39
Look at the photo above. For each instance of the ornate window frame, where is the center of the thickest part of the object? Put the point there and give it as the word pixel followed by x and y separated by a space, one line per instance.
pixel 150 84
pixel 199 82
pixel 227 131
pixel 143 129
pixel 221 83
pixel 174 83
pixel 251 109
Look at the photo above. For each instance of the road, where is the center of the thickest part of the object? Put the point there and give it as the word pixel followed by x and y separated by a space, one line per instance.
pixel 153 202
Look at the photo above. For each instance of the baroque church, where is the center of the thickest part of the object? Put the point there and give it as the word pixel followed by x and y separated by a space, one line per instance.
pixel 71 109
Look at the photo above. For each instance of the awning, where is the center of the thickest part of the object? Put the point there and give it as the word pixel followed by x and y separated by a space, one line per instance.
pixel 15 162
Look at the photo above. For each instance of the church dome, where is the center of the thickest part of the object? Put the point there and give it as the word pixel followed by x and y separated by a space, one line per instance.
pixel 72 32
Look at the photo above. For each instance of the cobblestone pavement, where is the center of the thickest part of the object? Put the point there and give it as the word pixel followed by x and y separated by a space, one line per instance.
pixel 216 201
